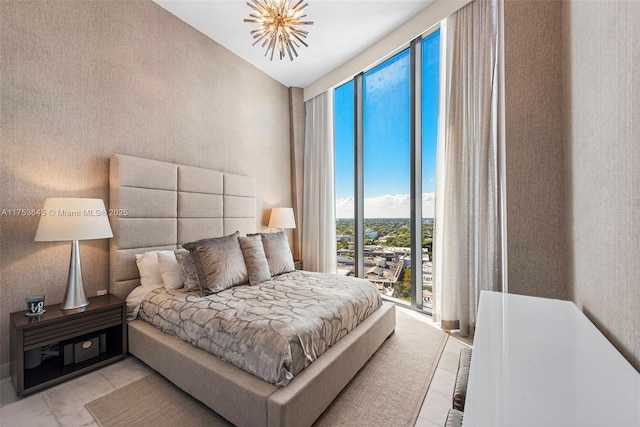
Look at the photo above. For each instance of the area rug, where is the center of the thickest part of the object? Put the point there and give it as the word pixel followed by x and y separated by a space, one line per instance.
pixel 388 390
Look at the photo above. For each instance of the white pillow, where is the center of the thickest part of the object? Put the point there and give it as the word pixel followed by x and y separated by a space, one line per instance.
pixel 169 270
pixel 149 268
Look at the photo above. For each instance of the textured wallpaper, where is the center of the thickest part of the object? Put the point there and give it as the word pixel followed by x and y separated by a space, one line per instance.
pixel 573 158
pixel 533 109
pixel 602 140
pixel 82 80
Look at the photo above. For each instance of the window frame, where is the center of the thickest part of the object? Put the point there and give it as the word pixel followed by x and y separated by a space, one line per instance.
pixel 415 52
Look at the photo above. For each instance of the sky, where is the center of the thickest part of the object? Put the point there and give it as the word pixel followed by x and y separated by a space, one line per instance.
pixel 387 111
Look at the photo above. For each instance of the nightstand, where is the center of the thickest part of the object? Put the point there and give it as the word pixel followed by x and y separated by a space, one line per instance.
pixel 298 264
pixel 82 341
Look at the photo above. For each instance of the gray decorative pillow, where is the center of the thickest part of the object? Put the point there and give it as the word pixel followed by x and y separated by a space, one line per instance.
pixel 255 259
pixel 276 248
pixel 188 272
pixel 219 263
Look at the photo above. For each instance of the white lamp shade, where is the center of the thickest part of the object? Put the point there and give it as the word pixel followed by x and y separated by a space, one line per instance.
pixel 282 218
pixel 66 219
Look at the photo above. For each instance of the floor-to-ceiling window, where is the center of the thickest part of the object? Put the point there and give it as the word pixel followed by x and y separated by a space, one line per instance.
pixel 344 175
pixel 430 89
pixel 376 125
pixel 386 146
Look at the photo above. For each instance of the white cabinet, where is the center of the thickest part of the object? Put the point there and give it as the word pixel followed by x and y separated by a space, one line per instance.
pixel 541 362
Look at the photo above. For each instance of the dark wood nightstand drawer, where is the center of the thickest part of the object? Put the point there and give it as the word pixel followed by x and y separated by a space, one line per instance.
pixel 47 334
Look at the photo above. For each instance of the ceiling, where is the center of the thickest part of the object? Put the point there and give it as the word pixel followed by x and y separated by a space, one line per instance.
pixel 340 31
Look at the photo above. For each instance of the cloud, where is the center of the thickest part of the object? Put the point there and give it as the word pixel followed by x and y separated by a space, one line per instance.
pixel 386 206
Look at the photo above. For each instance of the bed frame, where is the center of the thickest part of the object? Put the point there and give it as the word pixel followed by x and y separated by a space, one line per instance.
pixel 158 205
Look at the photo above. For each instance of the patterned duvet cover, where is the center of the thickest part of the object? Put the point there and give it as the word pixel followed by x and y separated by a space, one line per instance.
pixel 272 330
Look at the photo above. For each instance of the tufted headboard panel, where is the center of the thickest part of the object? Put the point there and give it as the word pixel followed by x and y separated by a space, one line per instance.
pixel 157 205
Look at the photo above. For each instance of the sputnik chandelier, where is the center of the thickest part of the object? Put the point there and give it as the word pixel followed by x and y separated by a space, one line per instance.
pixel 278 26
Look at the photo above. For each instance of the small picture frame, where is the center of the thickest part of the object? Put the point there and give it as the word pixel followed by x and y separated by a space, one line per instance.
pixel 35 305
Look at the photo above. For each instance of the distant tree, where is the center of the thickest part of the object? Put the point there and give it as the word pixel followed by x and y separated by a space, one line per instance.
pixel 406 276
pixel 402 290
pixel 343 244
pixel 403 240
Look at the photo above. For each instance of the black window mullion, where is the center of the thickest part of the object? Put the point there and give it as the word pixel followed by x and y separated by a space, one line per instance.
pixel 416 174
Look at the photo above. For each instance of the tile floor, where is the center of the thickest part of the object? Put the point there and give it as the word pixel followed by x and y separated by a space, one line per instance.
pixel 63 405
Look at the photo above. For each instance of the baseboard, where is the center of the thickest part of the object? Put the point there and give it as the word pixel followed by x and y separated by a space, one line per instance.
pixel 5 370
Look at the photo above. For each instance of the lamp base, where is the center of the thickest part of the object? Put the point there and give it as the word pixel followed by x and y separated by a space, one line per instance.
pixel 74 296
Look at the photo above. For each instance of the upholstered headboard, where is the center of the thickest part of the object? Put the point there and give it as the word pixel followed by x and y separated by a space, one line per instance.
pixel 156 205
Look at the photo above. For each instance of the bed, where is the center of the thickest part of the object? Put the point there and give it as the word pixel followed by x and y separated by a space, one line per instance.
pixel 157 206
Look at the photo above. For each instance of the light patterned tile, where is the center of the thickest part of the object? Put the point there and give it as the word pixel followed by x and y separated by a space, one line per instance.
pixel 466 340
pixel 435 407
pixel 425 423
pixel 443 381
pixel 67 400
pixel 30 410
pixel 125 372
pixel 454 345
pixel 449 361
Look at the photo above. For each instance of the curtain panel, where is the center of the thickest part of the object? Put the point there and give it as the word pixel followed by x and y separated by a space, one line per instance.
pixel 318 198
pixel 468 230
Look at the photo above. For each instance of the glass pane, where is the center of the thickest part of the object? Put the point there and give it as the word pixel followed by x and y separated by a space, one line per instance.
pixel 344 175
pixel 430 88
pixel 387 185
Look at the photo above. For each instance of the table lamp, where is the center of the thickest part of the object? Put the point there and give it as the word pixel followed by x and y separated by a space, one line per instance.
pixel 282 218
pixel 73 219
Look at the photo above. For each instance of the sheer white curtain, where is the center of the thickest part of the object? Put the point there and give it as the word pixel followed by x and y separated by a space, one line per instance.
pixel 468 226
pixel 318 211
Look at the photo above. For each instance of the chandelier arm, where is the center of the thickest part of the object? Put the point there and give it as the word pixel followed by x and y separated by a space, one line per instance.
pixel 259 39
pixel 259 6
pixel 298 4
pixel 254 7
pixel 272 46
pixel 294 43
pixel 267 41
pixel 289 52
pixel 281 46
pixel 300 40
pixel 291 46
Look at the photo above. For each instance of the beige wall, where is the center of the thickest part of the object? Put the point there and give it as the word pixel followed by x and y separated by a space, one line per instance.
pixel 602 160
pixel 83 80
pixel 533 108
pixel 573 158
